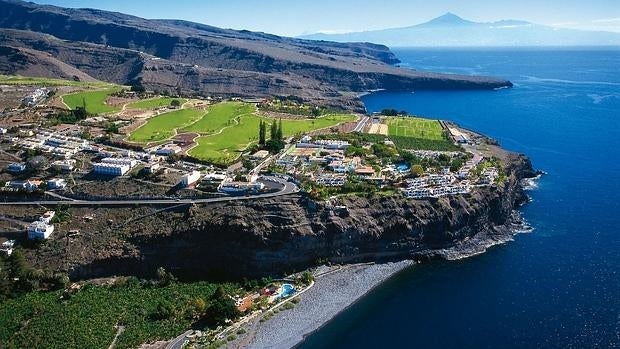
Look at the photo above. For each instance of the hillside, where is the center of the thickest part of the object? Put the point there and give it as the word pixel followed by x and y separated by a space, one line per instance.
pixel 452 30
pixel 199 59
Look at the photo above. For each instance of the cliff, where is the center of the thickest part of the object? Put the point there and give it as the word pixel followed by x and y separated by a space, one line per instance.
pixel 280 235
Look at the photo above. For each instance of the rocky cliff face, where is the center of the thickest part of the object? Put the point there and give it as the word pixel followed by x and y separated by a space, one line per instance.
pixel 275 236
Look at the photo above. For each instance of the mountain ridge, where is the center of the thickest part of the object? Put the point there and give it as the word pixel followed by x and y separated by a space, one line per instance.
pixel 452 30
pixel 198 59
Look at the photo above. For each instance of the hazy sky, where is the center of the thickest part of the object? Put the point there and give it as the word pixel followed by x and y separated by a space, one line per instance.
pixel 295 17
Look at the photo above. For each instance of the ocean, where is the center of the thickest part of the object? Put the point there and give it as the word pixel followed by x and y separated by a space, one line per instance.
pixel 557 286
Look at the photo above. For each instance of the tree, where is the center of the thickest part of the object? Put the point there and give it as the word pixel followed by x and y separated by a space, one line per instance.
pixel 222 308
pixel 164 310
pixel 200 305
pixel 138 88
pixel 417 170
pixel 175 103
pixel 279 134
pixel 165 278
pixel 262 130
pixel 389 112
pixel 274 131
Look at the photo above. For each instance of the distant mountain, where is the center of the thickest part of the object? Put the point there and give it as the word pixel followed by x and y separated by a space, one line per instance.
pixel 452 30
pixel 192 58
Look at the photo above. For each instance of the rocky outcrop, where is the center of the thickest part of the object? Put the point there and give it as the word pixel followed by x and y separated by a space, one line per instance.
pixel 280 235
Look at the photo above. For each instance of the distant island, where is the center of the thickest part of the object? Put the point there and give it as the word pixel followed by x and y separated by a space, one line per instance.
pixel 454 31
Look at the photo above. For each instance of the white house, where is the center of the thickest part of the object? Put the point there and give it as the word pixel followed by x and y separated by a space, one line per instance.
pixel 47 216
pixel 7 247
pixel 110 169
pixel 16 167
pixel 64 165
pixel 169 149
pixel 56 183
pixel 190 178
pixel 39 230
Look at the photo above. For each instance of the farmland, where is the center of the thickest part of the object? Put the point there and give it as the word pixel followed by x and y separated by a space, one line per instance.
pixel 154 103
pixel 163 126
pixel 95 101
pixel 87 319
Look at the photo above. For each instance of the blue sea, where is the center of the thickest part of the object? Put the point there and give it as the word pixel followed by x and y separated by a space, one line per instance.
pixel 555 287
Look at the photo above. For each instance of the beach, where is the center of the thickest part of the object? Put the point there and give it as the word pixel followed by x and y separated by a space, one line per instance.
pixel 331 293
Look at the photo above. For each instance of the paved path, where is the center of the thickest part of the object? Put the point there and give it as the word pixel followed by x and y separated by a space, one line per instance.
pixel 288 188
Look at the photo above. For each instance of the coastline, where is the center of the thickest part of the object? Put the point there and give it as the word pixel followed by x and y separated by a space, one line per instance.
pixel 321 303
pixel 331 294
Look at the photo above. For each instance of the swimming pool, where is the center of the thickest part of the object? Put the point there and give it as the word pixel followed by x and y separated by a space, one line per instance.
pixel 402 167
pixel 287 291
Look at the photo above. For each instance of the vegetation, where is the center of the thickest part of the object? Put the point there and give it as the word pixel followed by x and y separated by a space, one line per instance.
pixel 94 102
pixel 86 318
pixel 163 126
pixel 157 102
pixel 292 105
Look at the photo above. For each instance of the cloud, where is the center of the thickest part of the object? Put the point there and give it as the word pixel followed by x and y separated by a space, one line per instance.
pixel 606 20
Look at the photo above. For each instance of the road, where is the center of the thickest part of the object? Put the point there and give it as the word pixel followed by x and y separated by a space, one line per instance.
pixel 287 188
pixel 361 124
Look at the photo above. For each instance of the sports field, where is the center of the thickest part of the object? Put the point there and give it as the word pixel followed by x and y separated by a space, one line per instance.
pixel 163 126
pixel 94 100
pixel 415 128
pixel 154 103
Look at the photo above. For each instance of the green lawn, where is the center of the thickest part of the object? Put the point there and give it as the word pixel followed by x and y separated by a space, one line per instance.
pixel 219 116
pixel 154 103
pixel 94 100
pixel 26 80
pixel 226 146
pixel 163 126
pixel 87 319
pixel 415 127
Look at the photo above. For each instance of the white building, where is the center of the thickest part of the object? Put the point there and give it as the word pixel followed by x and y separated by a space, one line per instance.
pixel 110 169
pixel 39 230
pixel 64 165
pixel 47 217
pixel 56 183
pixel 152 167
pixel 169 149
pixel 16 167
pixel 241 187
pixel 7 247
pixel 190 178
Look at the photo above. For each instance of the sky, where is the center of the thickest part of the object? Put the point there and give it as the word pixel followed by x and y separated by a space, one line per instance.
pixel 297 17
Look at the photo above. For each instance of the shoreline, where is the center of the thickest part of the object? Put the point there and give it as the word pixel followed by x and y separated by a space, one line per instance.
pixel 320 304
pixel 331 294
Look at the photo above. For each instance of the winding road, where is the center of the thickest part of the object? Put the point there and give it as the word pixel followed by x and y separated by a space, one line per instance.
pixel 287 188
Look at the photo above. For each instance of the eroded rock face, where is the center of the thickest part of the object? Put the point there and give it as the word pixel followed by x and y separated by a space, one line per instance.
pixel 274 236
